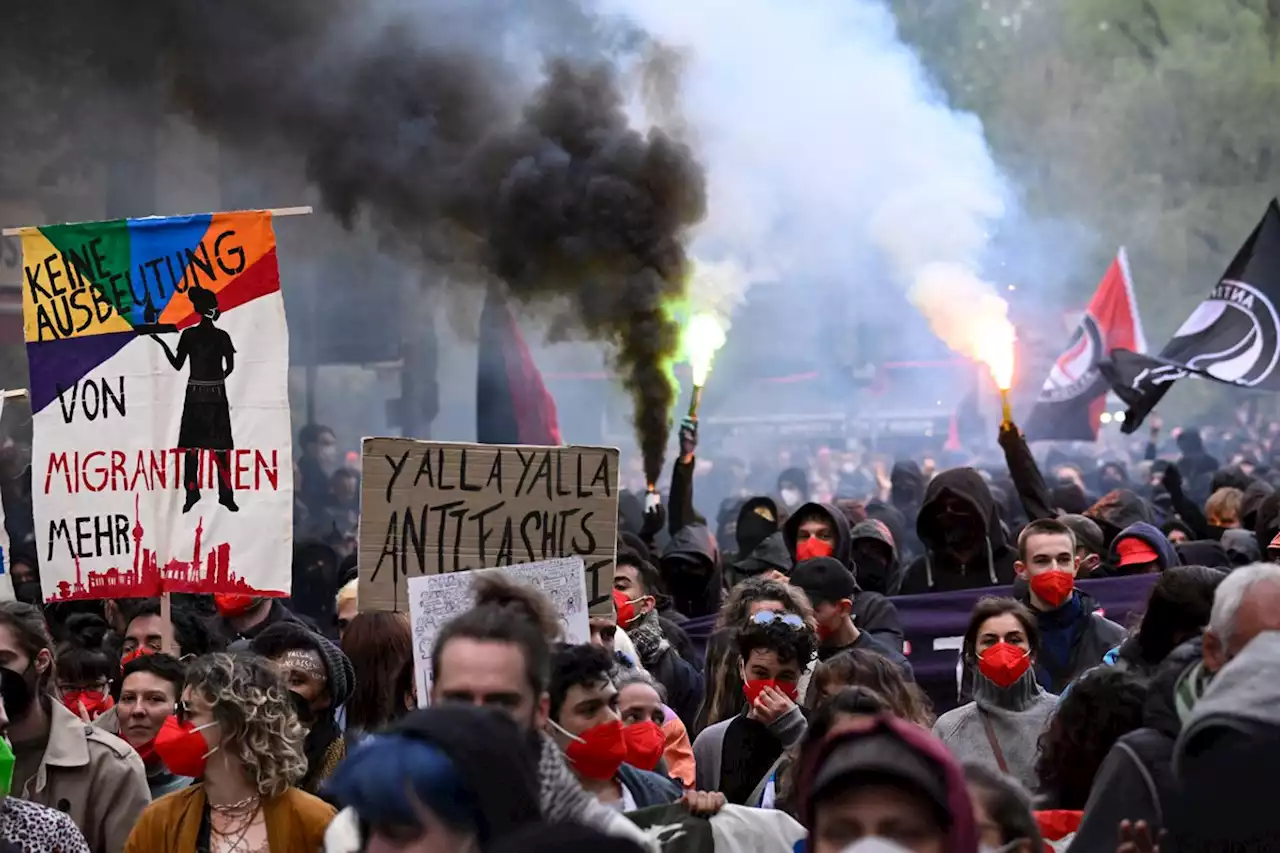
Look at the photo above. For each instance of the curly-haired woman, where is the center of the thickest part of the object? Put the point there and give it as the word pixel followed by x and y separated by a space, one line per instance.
pixel 1102 706
pixel 722 670
pixel 240 736
pixel 870 669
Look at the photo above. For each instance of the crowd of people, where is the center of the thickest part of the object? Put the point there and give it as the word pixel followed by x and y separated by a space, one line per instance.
pixel 792 722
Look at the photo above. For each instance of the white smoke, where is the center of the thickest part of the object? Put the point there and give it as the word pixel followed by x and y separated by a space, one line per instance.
pixel 830 153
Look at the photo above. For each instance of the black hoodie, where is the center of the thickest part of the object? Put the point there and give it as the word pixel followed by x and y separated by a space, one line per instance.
pixel 938 570
pixel 497 762
pixel 872 612
pixel 690 568
pixel 1135 781
pixel 1116 510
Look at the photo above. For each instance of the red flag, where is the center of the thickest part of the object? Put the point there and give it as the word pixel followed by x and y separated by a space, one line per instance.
pixel 1074 395
pixel 513 405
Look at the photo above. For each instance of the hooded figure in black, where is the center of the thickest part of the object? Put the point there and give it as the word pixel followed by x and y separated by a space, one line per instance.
pixel 907 483
pixel 761 547
pixel 965 544
pixel 1196 465
pixel 872 611
pixel 1116 510
pixel 875 553
pixel 690 568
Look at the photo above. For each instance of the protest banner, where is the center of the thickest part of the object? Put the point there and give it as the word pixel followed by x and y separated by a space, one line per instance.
pixel 6 578
pixel 435 599
pixel 934 624
pixel 431 507
pixel 161 456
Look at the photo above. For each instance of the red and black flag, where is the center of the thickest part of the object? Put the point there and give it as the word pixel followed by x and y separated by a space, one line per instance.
pixel 513 405
pixel 1233 336
pixel 1075 393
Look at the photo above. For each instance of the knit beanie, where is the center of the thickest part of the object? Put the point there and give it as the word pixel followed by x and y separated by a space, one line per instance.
pixel 283 636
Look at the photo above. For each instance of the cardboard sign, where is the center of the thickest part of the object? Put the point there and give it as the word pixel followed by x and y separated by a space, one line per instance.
pixel 435 599
pixel 431 507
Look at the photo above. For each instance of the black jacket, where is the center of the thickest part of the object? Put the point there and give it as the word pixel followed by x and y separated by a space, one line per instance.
pixel 868 642
pixel 872 612
pixel 1135 781
pixel 1032 490
pixel 938 570
pixel 683 683
pixel 1116 510
pixel 690 568
pixel 770 554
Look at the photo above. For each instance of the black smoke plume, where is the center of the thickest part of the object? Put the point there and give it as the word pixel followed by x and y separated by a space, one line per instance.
pixel 441 148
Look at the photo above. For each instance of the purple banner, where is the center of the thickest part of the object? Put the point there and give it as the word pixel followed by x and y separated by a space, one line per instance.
pixel 934 625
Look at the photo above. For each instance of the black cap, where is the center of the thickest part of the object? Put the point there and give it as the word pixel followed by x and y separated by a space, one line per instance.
pixel 824 579
pixel 882 758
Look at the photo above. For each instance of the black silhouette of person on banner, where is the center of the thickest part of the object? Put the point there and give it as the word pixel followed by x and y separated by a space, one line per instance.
pixel 206 415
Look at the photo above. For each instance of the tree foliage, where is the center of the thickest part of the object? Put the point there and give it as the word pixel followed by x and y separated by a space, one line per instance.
pixel 1147 121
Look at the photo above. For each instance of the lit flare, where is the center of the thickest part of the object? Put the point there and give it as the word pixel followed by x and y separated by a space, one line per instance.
pixel 703 337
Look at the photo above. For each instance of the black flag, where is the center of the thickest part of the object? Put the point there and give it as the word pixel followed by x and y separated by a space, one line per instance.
pixel 1233 336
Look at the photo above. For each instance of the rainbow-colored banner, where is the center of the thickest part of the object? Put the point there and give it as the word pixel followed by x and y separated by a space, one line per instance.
pixel 158 354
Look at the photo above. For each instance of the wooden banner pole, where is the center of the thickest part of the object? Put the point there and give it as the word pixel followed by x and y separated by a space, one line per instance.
pixel 301 210
pixel 166 617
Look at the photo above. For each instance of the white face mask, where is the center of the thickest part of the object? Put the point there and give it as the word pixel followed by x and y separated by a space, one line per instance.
pixel 875 845
pixel 790 497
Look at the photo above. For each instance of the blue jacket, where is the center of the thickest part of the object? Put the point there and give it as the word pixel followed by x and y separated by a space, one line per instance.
pixel 1152 536
pixel 648 788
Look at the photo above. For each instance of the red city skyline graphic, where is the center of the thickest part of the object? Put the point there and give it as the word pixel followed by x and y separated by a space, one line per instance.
pixel 147 579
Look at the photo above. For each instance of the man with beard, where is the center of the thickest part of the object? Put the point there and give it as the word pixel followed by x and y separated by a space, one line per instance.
pixel 498 655
pixel 965 544
pixel 320 678
pixel 60 762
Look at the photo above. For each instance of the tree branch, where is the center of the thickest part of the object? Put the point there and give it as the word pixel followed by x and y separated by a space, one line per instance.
pixel 1143 51
pixel 1150 9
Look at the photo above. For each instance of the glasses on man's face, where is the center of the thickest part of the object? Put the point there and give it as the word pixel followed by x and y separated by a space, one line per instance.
pixel 766 617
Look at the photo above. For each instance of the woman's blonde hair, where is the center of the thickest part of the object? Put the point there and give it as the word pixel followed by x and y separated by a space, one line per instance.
pixel 1223 507
pixel 255 717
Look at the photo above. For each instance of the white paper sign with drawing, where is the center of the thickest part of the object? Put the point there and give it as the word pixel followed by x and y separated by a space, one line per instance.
pixel 435 599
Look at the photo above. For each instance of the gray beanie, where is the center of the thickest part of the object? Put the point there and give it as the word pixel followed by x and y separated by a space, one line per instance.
pixel 339 672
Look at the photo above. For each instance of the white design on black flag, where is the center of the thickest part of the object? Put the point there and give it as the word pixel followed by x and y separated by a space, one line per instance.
pixel 1233 336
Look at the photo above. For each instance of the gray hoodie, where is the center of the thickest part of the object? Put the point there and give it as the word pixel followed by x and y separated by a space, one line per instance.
pixel 1243 697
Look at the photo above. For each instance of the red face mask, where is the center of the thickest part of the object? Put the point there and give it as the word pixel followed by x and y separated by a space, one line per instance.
pixel 182 747
pixel 232 605
pixel 598 752
pixel 1004 663
pixel 135 654
pixel 1053 587
pixel 752 689
pixel 146 751
pixel 812 548
pixel 96 703
pixel 626 610
pixel 645 744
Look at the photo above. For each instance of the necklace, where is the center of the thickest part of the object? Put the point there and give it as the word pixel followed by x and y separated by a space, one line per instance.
pixel 237 807
pixel 235 837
